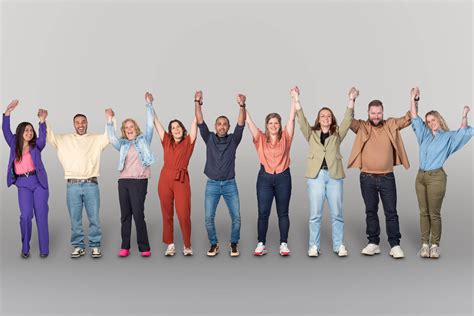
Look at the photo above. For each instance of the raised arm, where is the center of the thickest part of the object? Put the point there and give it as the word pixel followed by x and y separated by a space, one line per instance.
pixel 348 116
pixel 158 126
pixel 150 114
pixel 464 116
pixel 197 107
pixel 355 124
pixel 109 115
pixel 7 133
pixel 290 125
pixel 193 131
pixel 252 127
pixel 41 141
pixel 303 122
pixel 414 98
pixel 242 113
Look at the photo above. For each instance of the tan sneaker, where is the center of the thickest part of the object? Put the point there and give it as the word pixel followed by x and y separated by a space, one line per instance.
pixel 187 251
pixel 434 251
pixel 170 251
pixel 425 251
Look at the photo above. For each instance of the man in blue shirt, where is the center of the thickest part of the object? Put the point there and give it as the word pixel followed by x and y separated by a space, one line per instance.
pixel 220 170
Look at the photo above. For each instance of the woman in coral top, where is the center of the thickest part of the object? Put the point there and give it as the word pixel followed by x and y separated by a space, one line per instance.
pixel 274 177
pixel 173 186
pixel 27 172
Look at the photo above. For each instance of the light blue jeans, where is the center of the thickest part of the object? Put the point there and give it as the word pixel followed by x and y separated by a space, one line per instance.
pixel 86 195
pixel 214 190
pixel 319 189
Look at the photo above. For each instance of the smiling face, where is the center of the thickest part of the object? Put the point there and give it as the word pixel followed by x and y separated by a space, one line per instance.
pixel 28 134
pixel 432 122
pixel 80 124
pixel 375 115
pixel 130 130
pixel 176 131
pixel 273 126
pixel 222 126
pixel 325 119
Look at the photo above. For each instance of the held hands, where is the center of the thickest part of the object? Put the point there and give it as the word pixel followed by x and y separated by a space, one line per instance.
pixel 109 114
pixel 148 97
pixel 241 100
pixel 353 94
pixel 295 94
pixel 415 94
pixel 11 107
pixel 465 111
pixel 42 115
pixel 198 97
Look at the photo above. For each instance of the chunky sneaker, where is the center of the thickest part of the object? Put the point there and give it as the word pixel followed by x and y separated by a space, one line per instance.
pixel 77 252
pixel 187 251
pixel 342 251
pixel 425 251
pixel 284 251
pixel 146 254
pixel 95 252
pixel 260 250
pixel 214 250
pixel 234 250
pixel 397 252
pixel 434 251
pixel 170 251
pixel 313 251
pixel 371 249
pixel 123 253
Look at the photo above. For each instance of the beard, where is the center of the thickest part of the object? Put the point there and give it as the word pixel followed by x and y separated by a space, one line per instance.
pixel 380 123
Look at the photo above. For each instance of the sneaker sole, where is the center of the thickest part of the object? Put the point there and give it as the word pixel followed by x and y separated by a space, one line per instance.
pixel 212 254
pixel 397 257
pixel 234 254
pixel 78 256
pixel 313 255
pixel 169 254
pixel 284 254
pixel 342 254
pixel 371 253
pixel 260 253
pixel 187 254
pixel 96 256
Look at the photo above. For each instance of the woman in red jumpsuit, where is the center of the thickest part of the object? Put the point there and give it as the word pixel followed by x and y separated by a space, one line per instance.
pixel 173 186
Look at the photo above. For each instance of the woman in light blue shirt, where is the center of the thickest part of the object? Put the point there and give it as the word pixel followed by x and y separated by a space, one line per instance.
pixel 134 167
pixel 436 143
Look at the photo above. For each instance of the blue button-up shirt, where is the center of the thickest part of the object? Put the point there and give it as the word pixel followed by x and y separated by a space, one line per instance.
pixel 142 142
pixel 435 149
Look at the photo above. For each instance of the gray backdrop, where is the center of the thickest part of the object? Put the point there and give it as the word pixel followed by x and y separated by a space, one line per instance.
pixel 74 57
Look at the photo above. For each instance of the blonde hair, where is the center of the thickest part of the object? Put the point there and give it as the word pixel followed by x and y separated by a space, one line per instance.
pixel 137 128
pixel 442 122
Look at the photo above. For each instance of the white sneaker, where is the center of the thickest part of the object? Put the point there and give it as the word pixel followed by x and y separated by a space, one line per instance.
pixel 371 249
pixel 313 251
pixel 425 251
pixel 187 251
pixel 170 251
pixel 284 251
pixel 77 252
pixel 342 251
pixel 95 252
pixel 434 251
pixel 260 250
pixel 397 252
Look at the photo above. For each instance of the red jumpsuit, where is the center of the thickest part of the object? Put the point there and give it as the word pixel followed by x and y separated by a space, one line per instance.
pixel 173 187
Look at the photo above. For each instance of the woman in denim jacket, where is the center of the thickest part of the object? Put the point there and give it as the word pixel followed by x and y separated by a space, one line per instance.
pixel 134 166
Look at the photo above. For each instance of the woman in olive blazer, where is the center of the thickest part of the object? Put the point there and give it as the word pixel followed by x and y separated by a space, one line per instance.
pixel 324 170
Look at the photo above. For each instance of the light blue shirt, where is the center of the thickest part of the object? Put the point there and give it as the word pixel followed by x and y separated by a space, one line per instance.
pixel 435 149
pixel 142 142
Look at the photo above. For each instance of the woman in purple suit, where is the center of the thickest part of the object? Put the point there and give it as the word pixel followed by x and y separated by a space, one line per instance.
pixel 26 171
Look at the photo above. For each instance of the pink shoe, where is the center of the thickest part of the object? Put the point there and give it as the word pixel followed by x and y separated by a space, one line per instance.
pixel 124 253
pixel 146 253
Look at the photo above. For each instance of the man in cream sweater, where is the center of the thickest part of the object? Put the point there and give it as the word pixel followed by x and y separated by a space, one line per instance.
pixel 79 154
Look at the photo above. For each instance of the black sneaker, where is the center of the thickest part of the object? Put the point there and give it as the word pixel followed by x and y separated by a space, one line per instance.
pixel 214 250
pixel 234 250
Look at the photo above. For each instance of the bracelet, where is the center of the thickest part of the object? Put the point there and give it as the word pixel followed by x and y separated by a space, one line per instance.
pixel 198 101
pixel 242 105
pixel 417 99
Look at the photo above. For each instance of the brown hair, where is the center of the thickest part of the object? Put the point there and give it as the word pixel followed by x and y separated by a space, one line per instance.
pixel 137 128
pixel 317 125
pixel 267 119
pixel 375 103
pixel 19 141
pixel 185 132
pixel 442 122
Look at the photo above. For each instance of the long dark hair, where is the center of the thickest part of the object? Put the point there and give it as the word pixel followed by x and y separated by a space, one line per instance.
pixel 20 129
pixel 185 132
pixel 317 125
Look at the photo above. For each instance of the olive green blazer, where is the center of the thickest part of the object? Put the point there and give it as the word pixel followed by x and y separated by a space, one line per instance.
pixel 329 151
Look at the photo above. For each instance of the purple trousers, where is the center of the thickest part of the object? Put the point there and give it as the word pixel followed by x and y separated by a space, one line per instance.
pixel 33 199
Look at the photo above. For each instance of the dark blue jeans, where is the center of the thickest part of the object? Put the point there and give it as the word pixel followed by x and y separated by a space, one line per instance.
pixel 384 185
pixel 271 186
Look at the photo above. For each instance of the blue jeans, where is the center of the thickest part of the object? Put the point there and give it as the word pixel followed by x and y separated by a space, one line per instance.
pixel 384 185
pixel 321 188
pixel 271 186
pixel 227 189
pixel 86 195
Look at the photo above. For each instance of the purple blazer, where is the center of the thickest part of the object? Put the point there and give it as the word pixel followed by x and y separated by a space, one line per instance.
pixel 34 151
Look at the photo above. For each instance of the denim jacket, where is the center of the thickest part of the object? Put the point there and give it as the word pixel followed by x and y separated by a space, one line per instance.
pixel 142 142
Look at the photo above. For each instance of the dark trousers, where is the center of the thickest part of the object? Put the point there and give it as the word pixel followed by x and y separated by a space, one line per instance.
pixel 132 194
pixel 271 186
pixel 373 186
